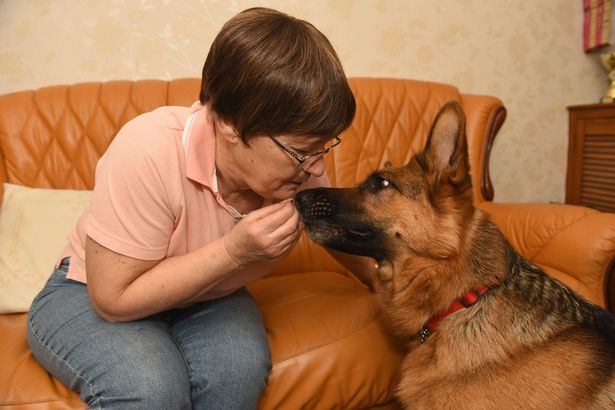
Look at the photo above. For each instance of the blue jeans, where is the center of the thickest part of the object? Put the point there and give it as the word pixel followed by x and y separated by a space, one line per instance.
pixel 213 355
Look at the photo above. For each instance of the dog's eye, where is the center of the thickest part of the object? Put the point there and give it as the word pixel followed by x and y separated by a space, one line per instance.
pixel 382 183
pixel 376 182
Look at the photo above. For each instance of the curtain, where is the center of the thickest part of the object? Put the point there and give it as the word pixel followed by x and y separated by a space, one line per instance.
pixel 596 24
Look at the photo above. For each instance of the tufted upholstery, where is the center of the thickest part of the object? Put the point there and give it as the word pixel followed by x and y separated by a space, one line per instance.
pixel 329 346
pixel 54 136
pixel 573 244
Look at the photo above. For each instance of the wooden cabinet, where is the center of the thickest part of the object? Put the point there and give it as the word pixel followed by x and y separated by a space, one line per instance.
pixel 590 179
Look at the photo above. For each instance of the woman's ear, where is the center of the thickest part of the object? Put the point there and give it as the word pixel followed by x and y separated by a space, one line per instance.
pixel 226 130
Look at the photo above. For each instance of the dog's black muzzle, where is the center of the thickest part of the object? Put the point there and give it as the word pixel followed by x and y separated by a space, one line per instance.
pixel 314 205
pixel 334 218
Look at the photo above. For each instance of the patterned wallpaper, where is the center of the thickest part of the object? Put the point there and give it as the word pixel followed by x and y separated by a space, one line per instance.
pixel 526 52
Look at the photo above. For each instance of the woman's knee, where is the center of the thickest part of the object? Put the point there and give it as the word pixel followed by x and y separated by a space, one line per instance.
pixel 255 366
pixel 236 383
pixel 249 364
pixel 135 365
pixel 152 385
pixel 152 382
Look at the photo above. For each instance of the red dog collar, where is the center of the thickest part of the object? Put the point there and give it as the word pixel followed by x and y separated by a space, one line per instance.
pixel 466 301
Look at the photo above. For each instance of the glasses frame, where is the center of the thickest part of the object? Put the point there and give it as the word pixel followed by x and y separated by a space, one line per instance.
pixel 301 160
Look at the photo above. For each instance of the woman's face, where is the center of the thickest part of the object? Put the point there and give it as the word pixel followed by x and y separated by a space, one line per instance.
pixel 271 171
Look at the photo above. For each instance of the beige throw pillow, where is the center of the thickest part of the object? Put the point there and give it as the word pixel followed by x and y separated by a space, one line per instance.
pixel 34 224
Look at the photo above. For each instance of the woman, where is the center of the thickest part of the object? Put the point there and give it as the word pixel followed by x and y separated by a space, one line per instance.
pixel 189 206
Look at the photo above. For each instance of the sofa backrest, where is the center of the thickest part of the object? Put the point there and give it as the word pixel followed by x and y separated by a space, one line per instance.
pixel 52 137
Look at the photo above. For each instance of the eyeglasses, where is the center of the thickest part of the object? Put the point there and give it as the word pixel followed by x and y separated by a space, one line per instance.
pixel 307 160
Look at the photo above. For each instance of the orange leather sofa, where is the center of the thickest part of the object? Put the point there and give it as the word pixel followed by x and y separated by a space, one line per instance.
pixel 330 347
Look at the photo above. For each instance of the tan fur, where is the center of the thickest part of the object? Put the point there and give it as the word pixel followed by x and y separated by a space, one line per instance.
pixel 530 343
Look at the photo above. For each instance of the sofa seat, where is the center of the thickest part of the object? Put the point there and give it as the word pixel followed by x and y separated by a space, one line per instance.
pixel 25 384
pixel 323 327
pixel 308 317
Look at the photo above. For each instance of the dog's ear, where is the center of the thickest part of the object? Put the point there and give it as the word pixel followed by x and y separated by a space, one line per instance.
pixel 446 152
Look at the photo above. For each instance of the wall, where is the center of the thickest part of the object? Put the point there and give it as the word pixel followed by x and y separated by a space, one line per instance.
pixel 527 52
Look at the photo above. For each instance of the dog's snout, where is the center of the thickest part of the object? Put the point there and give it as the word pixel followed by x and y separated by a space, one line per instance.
pixel 312 205
pixel 320 208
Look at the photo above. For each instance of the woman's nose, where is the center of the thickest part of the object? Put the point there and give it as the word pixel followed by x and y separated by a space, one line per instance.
pixel 317 168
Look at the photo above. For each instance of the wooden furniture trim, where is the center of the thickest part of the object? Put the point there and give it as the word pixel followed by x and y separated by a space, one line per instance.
pixel 609 288
pixel 497 118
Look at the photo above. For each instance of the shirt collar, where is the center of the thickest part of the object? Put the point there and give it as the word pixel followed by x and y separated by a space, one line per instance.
pixel 199 141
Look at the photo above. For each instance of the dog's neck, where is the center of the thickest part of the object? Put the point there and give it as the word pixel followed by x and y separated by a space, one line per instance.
pixel 469 299
pixel 419 288
pixel 485 272
pixel 487 254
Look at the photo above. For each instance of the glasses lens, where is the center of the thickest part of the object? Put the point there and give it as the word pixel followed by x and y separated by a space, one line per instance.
pixel 311 160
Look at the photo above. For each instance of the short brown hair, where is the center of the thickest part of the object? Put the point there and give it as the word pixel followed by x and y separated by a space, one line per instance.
pixel 270 73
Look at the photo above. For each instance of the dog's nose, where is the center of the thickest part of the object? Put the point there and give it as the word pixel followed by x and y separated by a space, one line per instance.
pixel 314 204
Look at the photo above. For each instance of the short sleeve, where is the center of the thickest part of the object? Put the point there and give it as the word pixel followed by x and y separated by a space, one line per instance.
pixel 133 209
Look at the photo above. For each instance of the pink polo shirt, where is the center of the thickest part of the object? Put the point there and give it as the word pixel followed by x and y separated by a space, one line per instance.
pixel 156 193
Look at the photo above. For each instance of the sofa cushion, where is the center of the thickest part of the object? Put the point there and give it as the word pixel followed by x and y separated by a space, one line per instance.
pixel 25 384
pixel 328 346
pixel 34 223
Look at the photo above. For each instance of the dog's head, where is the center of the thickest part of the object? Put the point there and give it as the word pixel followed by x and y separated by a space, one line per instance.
pixel 419 208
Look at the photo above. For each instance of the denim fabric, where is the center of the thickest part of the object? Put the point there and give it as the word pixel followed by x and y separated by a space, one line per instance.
pixel 213 355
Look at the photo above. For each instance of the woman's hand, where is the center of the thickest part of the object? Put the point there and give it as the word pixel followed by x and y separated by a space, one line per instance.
pixel 266 234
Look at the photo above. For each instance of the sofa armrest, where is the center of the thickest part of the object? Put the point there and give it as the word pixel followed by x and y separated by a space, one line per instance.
pixel 575 244
pixel 484 118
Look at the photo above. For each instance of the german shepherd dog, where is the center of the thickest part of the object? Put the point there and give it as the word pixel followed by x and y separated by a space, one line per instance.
pixel 484 328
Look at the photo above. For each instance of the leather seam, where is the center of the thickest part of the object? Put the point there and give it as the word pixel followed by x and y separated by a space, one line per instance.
pixel 14 403
pixel 557 234
pixel 313 349
pixel 580 278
